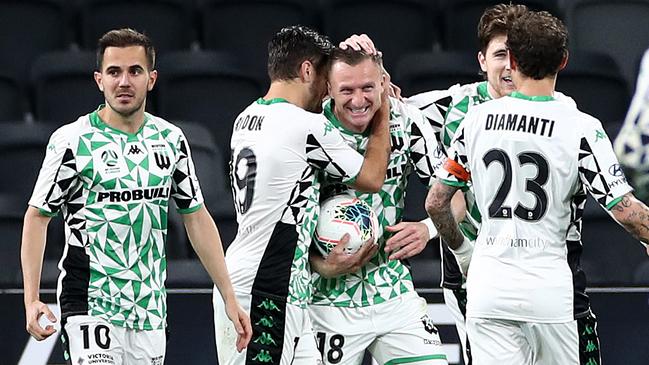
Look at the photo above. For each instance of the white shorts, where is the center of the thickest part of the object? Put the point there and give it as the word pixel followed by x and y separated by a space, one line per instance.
pixel 281 333
pixel 506 342
pixel 92 340
pixel 455 300
pixel 397 331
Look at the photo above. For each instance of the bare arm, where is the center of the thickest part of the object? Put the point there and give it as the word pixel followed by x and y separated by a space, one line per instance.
pixel 31 256
pixel 438 206
pixel 633 215
pixel 372 174
pixel 338 262
pixel 206 241
pixel 410 238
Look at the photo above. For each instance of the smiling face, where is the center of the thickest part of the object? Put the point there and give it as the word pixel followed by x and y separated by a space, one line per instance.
pixel 125 79
pixel 356 91
pixel 495 63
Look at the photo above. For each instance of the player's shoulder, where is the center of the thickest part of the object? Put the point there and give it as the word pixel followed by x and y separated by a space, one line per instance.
pixel 70 132
pixel 563 98
pixel 168 130
pixel 459 92
pixel 426 99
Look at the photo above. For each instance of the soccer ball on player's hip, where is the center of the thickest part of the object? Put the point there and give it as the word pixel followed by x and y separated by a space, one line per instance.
pixel 342 214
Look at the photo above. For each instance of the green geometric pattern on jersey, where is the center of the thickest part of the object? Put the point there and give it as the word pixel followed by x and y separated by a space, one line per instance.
pixel 470 95
pixel 380 279
pixel 125 181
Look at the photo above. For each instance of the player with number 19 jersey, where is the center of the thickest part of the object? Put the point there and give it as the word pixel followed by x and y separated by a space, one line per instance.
pixel 513 152
pixel 277 148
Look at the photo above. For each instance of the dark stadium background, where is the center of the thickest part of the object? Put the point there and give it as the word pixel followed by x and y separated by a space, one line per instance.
pixel 211 63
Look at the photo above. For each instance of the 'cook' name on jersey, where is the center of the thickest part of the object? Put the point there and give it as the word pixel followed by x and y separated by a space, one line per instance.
pixel 519 123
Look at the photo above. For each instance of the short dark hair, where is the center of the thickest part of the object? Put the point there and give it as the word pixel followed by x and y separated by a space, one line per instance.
pixel 496 21
pixel 353 57
pixel 125 37
pixel 538 41
pixel 293 45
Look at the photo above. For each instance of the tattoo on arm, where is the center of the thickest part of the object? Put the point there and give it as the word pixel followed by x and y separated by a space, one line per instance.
pixel 439 209
pixel 634 216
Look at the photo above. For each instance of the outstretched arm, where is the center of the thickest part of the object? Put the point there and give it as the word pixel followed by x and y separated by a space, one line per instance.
pixel 206 241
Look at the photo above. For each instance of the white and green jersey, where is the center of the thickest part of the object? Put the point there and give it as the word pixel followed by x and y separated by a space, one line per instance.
pixel 445 111
pixel 113 189
pixel 277 151
pixel 413 149
pixel 632 143
pixel 530 161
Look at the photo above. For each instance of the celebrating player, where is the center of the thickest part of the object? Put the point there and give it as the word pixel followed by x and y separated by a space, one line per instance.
pixel 279 146
pixel 111 174
pixel 530 159
pixel 356 311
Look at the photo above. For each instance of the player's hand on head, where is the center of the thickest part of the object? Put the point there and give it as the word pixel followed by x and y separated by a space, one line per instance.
pixel 358 43
pixel 409 239
pixel 340 262
pixel 241 322
pixel 33 312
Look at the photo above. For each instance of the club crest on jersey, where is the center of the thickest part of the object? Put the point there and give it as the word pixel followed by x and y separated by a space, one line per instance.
pixel 162 159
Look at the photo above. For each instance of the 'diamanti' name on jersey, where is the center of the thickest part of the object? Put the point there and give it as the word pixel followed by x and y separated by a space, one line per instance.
pixel 520 123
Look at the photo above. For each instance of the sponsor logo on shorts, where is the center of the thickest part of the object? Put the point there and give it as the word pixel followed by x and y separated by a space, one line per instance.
pixel 100 359
pixel 158 360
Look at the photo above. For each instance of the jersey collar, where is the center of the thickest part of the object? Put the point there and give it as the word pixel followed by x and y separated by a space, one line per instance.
pixel 95 121
pixel 518 95
pixel 263 101
pixel 483 92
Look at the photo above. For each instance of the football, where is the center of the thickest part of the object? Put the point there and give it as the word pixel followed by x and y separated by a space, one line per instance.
pixel 342 214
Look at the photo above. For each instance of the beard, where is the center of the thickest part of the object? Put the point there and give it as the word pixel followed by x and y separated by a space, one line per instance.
pixel 315 101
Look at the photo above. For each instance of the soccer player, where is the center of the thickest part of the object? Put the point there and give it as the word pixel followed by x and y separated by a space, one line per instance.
pixel 358 310
pixel 280 144
pixel 445 110
pixel 530 159
pixel 631 144
pixel 111 174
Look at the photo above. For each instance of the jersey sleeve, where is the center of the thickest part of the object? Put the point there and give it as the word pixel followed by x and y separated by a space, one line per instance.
pixel 599 169
pixel 326 150
pixel 433 105
pixel 425 151
pixel 456 171
pixel 632 143
pixel 57 177
pixel 185 189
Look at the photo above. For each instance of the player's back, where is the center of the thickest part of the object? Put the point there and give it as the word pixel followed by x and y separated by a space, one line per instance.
pixel 528 158
pixel 276 147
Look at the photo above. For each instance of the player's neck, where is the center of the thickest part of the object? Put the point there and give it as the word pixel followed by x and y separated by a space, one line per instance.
pixel 530 87
pixel 291 91
pixel 128 124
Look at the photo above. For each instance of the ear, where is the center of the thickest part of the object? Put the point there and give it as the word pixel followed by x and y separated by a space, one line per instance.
pixel 307 71
pixel 98 80
pixel 329 88
pixel 482 60
pixel 564 62
pixel 153 76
